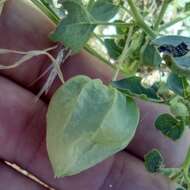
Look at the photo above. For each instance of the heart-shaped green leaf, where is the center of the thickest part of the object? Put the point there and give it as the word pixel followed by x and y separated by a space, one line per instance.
pixel 86 123
pixel 170 126
pixel 77 27
pixel 153 161
pixel 150 56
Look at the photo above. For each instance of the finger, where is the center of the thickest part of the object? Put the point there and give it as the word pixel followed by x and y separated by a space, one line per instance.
pixel 148 137
pixel 22 140
pixel 12 180
pixel 23 28
pixel 127 172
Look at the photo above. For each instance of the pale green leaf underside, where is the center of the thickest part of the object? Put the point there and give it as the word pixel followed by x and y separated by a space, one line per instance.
pixel 86 123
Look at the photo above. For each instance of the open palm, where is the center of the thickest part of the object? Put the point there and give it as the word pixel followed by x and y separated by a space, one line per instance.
pixel 23 122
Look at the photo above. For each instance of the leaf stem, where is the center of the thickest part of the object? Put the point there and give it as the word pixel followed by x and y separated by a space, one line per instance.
pixel 110 35
pixel 123 55
pixel 50 14
pixel 163 9
pixel 138 18
pixel 96 54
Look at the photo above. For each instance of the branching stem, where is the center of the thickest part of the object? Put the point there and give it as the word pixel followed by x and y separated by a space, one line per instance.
pixel 123 55
pixel 139 20
pixel 163 9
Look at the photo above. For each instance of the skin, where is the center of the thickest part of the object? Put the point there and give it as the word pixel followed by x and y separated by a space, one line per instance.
pixel 22 121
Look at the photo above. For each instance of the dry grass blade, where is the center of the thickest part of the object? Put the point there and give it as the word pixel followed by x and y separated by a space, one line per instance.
pixel 19 62
pixel 56 70
pixel 26 56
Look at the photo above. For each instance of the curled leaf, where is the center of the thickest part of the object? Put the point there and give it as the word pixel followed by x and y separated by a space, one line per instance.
pixel 176 51
pixel 133 86
pixel 86 123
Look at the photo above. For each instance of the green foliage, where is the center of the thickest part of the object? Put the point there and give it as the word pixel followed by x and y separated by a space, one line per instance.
pixel 150 56
pixel 153 161
pixel 76 29
pixel 179 108
pixel 177 84
pixel 102 10
pixel 133 87
pixel 176 53
pixel 114 51
pixel 179 65
pixel 187 6
pixel 86 123
pixel 170 126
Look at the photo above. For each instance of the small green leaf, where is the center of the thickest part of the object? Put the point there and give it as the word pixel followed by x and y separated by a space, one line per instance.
pixel 177 84
pixel 133 86
pixel 153 161
pixel 170 126
pixel 178 108
pixel 150 56
pixel 113 50
pixel 86 123
pixel 76 28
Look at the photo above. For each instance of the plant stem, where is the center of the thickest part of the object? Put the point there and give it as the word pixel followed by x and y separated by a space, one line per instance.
pixel 139 20
pixel 163 9
pixel 52 16
pixel 96 54
pixel 186 163
pixel 186 166
pixel 109 23
pixel 123 55
pixel 175 21
pixel 110 35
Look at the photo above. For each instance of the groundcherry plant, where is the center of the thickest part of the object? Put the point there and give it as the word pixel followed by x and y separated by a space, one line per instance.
pixel 88 121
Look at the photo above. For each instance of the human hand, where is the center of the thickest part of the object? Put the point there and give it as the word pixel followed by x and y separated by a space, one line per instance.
pixel 22 121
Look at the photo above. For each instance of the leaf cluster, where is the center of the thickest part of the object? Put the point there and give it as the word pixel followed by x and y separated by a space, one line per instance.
pixel 137 47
